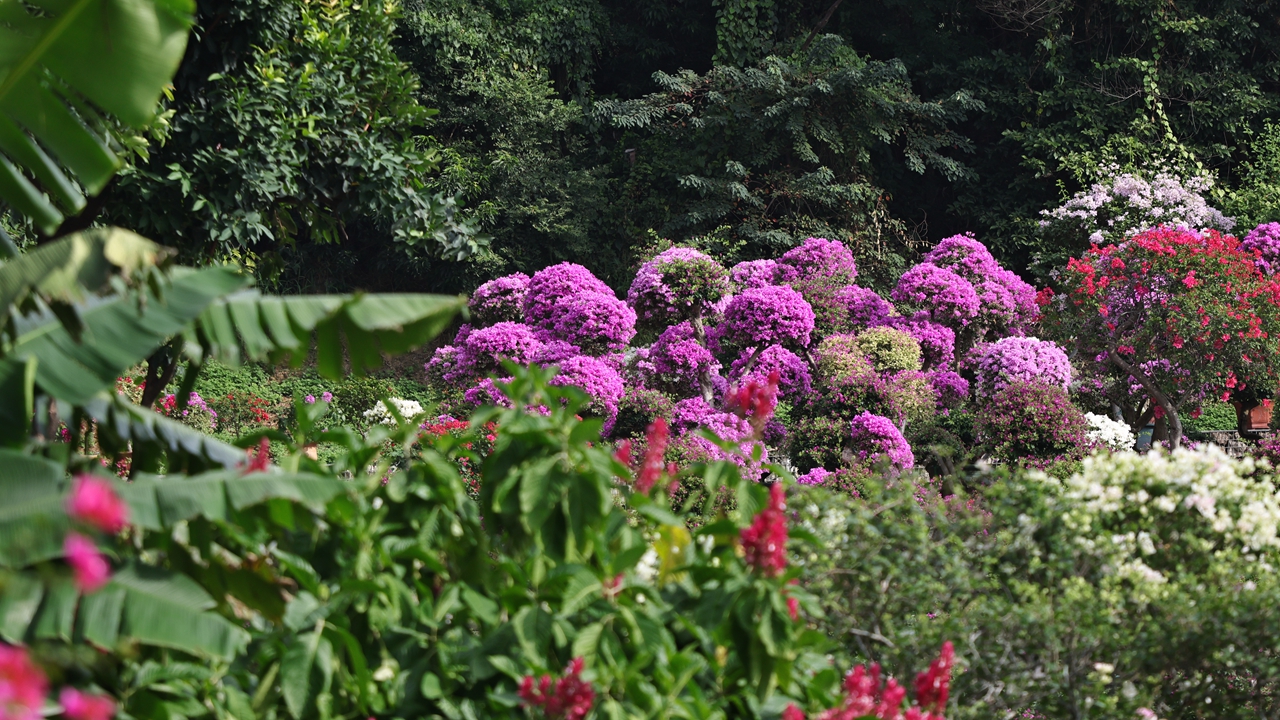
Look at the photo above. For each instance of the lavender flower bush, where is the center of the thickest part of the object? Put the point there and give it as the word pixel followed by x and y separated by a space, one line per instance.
pixel 1265 241
pixel 1018 360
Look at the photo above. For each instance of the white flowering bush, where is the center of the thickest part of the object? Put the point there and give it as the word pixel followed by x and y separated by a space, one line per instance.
pixel 378 414
pixel 1113 434
pixel 1151 517
pixel 1121 204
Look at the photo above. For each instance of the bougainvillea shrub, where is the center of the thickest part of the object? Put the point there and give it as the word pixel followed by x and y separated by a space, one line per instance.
pixel 837 353
pixel 1182 315
pixel 1032 423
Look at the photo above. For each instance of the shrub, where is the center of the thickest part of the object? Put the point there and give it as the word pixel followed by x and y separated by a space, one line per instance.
pixel 549 285
pixel 875 438
pixel 1031 422
pixel 889 350
pixel 774 315
pixel 840 358
pixel 594 322
pixel 1018 359
pixel 676 285
pixel 638 408
pixel 1111 434
pixel 499 300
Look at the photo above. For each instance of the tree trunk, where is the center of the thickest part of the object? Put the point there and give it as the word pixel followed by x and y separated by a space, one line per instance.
pixel 704 376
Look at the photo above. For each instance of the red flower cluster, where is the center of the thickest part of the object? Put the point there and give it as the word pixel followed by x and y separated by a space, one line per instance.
pixel 261 461
pixel 866 695
pixel 754 401
pixel 934 684
pixel 765 542
pixel 569 697
pixel 655 447
pixel 85 706
pixel 442 428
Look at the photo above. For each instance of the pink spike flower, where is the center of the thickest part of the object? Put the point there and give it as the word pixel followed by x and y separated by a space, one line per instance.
pixel 86 706
pixel 22 685
pixel 765 542
pixel 569 698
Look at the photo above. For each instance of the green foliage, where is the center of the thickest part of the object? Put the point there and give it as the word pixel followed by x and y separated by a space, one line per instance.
pixel 889 350
pixel 1214 415
pixel 783 150
pixel 1257 199
pixel 56 54
pixel 294 121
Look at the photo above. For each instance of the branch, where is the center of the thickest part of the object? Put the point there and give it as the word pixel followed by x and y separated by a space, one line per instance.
pixel 822 22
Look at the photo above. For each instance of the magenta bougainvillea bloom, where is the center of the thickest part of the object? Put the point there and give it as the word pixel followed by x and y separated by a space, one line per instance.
pixel 962 254
pixel 500 300
pixel 754 274
pixel 951 389
pixel 486 348
pixel 819 256
pixel 794 378
pixel 816 476
pixel 775 315
pixel 865 308
pixel 89 567
pixel 486 393
pixel 678 359
pixel 947 298
pixel 1265 241
pixel 95 502
pixel 1018 359
pixel 598 380
pixel 677 284
pixel 22 685
pixel 875 436
pixel 595 322
pixel 690 413
pixel 554 351
pixel 1006 302
pixel 77 705
pixel 937 342
pixel 550 284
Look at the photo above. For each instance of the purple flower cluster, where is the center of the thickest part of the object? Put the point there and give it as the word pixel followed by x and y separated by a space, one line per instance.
pixel 486 348
pixel 937 342
pixel 951 389
pixel 816 476
pixel 500 300
pixel 690 413
pixel 1264 240
pixel 598 380
pixel 875 437
pixel 548 285
pixel 794 379
pixel 732 428
pixel 821 257
pixel 678 359
pixel 948 298
pixel 1018 360
pixel 865 308
pixel 595 322
pixel 677 284
pixel 775 315
pixel 754 274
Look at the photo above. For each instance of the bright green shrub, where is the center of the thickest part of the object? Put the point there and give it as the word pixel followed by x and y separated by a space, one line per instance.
pixel 889 349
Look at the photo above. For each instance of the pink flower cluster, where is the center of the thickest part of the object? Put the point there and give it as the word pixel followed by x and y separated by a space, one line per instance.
pixel 960 283
pixel 820 257
pixel 875 436
pixel 865 308
pixel 500 300
pixel 677 284
pixel 1018 359
pixel 595 378
pixel 773 315
pixel 23 685
pixel 548 285
pixel 569 698
pixel 755 274
pixel 765 541
pixel 867 695
pixel 1264 241
pixel 678 359
pixel 794 379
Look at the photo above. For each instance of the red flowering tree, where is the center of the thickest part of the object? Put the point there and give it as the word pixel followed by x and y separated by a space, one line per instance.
pixel 1176 315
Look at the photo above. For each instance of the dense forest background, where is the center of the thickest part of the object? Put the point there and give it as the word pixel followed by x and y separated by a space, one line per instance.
pixel 336 145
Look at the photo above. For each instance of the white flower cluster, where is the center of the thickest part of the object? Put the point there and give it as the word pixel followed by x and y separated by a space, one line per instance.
pixel 1114 434
pixel 1131 510
pixel 407 409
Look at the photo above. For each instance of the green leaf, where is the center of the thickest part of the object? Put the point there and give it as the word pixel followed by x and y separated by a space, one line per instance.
pixel 33 520
pixel 251 325
pixel 586 642
pixel 157 502
pixel 20 597
pixel 17 400
pixel 170 610
pixel 119 54
pixel 126 421
pixel 118 333
pixel 295 672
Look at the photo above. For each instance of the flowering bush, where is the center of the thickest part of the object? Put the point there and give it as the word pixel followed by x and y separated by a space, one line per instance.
pixel 548 285
pixel 1264 241
pixel 793 372
pixel 863 308
pixel 1108 433
pixel 1018 359
pixel 1179 314
pixel 755 274
pixel 774 315
pixel 594 322
pixel 1149 517
pixel 839 358
pixel 678 361
pixel 380 414
pixel 1122 204
pixel 499 300
pixel 937 342
pixel 946 297
pixel 1031 422
pixel 875 437
pixel 196 414
pixel 950 388
pixel 820 270
pixel 486 348
pixel 598 380
pixel 678 284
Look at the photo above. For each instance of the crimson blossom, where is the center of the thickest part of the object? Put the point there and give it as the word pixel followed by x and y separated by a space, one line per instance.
pixel 1179 313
